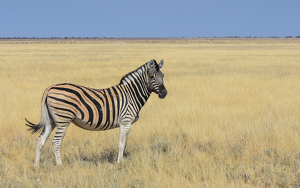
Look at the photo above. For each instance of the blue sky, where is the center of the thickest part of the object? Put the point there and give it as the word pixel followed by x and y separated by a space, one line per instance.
pixel 143 18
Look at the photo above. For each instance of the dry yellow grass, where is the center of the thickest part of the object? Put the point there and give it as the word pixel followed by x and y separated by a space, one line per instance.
pixel 231 117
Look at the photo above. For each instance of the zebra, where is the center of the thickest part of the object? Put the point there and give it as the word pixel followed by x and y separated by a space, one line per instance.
pixel 97 109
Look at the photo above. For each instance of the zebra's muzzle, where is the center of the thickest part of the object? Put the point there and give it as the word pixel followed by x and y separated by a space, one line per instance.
pixel 162 92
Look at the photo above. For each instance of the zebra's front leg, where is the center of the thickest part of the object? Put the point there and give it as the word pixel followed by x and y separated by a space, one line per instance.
pixel 124 132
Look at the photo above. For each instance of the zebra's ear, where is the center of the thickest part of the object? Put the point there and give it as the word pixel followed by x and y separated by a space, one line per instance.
pixel 151 63
pixel 161 63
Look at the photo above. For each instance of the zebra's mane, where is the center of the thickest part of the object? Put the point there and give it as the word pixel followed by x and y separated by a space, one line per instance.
pixel 134 73
pixel 138 71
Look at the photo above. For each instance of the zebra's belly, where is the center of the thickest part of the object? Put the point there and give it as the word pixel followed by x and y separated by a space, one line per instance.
pixel 95 126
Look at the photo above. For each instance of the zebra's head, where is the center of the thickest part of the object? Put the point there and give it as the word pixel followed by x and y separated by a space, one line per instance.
pixel 155 78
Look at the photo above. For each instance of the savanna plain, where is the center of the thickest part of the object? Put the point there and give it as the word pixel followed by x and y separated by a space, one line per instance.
pixel 231 117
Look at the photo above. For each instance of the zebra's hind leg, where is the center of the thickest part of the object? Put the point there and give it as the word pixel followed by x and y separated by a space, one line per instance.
pixel 61 129
pixel 124 132
pixel 41 141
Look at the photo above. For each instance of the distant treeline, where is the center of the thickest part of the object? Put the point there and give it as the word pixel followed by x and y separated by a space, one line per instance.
pixel 262 37
pixel 135 38
pixel 50 37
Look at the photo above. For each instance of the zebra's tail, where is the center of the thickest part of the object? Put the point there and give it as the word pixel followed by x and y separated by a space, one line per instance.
pixel 45 117
pixel 33 127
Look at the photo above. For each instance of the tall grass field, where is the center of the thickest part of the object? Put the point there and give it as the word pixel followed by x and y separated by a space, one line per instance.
pixel 231 117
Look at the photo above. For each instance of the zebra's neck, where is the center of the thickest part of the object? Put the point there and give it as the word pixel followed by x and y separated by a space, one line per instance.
pixel 136 82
